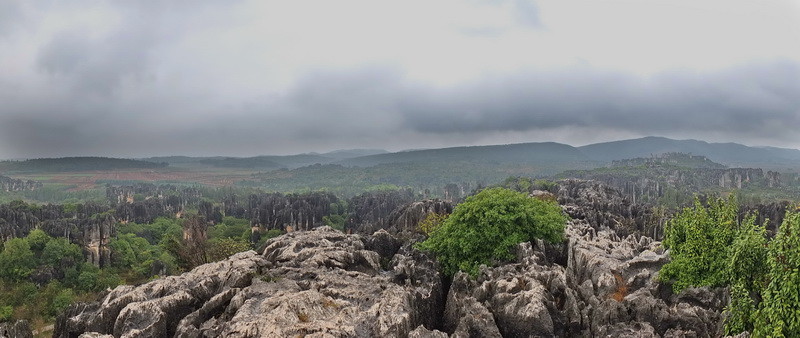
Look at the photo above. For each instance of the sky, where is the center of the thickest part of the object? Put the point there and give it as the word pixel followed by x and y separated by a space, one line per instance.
pixel 137 78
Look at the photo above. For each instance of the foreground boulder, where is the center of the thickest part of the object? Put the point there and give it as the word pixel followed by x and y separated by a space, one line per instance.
pixel 315 282
pixel 601 282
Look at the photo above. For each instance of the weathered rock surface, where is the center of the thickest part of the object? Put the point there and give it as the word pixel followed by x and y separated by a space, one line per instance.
pixel 602 281
pixel 10 184
pixel 17 329
pixel 605 207
pixel 319 282
pixel 404 220
pixel 596 284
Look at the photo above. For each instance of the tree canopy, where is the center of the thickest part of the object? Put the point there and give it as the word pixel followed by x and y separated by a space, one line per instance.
pixel 487 226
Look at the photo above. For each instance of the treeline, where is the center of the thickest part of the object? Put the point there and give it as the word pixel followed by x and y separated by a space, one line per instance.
pixel 429 179
pixel 71 164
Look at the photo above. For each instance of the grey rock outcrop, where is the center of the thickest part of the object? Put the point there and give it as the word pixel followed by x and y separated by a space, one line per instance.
pixel 595 284
pixel 602 281
pixel 10 184
pixel 319 282
pixel 17 329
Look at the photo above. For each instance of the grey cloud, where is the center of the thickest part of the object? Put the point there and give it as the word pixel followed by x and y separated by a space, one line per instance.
pixel 376 107
pixel 746 100
pixel 527 13
pixel 9 12
pixel 98 65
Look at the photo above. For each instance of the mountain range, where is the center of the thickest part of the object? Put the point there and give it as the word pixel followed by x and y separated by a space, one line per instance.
pixel 549 153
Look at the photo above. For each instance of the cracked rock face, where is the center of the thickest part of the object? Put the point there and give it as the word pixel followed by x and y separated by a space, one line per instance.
pixel 595 284
pixel 601 282
pixel 319 283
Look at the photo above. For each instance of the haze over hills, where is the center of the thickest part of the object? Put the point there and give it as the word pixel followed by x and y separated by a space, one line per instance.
pixel 550 154
pixel 731 154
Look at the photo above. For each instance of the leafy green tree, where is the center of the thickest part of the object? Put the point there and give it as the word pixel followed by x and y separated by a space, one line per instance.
pixel 16 259
pixel 60 302
pixel 222 248
pixel 698 239
pixel 37 239
pixel 747 271
pixel 779 312
pixel 59 252
pixel 231 227
pixel 487 226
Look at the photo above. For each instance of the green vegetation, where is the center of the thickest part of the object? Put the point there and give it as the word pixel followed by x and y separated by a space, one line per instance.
pixel 70 164
pixel 709 247
pixel 778 313
pixel 699 239
pixel 29 284
pixel 431 223
pixel 486 227
pixel 54 193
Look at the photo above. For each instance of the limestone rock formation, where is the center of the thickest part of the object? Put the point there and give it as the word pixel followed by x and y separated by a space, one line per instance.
pixel 406 218
pixel 602 281
pixel 313 282
pixel 10 184
pixel 17 329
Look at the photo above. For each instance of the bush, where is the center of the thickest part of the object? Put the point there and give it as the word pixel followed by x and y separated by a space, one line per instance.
pixel 431 222
pixel 747 273
pixel 487 226
pixel 779 311
pixel 698 239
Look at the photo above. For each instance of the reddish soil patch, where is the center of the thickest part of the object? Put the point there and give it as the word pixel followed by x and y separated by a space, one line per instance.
pixel 89 179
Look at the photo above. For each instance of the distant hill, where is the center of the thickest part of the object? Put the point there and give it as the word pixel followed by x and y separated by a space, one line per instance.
pixel 548 153
pixel 549 156
pixel 351 153
pixel 71 164
pixel 267 162
pixel 675 160
pixel 731 154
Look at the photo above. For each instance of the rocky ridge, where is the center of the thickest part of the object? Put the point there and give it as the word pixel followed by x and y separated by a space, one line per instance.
pixel 602 281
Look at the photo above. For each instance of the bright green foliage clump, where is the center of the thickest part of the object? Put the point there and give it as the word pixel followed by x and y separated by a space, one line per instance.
pixel 699 239
pixel 487 226
pixel 779 312
pixel 16 260
pixel 747 270
pixel 709 247
pixel 431 222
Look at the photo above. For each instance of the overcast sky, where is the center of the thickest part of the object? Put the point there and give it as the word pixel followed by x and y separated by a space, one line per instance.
pixel 201 77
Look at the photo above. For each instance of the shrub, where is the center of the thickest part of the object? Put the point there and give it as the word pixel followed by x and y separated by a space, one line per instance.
pixel 431 222
pixel 779 312
pixel 487 226
pixel 698 239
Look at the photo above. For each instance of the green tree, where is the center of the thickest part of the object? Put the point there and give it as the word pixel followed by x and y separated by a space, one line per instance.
pixel 37 239
pixel 63 299
pixel 487 226
pixel 59 252
pixel 779 312
pixel 747 272
pixel 698 239
pixel 231 227
pixel 222 248
pixel 16 260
